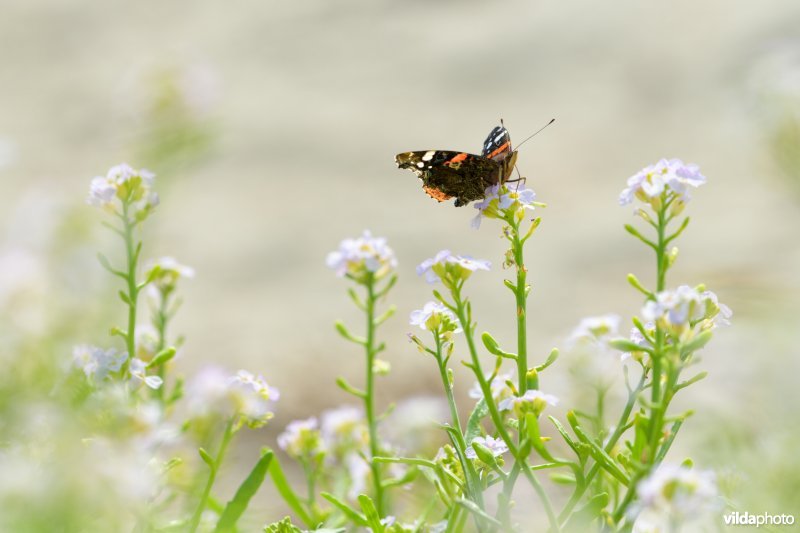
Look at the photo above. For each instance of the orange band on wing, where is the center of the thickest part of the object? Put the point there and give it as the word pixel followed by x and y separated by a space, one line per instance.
pixel 457 159
pixel 500 149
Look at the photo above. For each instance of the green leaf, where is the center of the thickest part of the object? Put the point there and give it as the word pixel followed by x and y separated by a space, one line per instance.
pixel 550 360
pixel 494 348
pixel 344 332
pixel 286 492
pixel 371 513
pixel 480 412
pixel 535 437
pixel 598 453
pixel 354 516
pixel 162 357
pixel 207 459
pixel 696 343
pixel 625 345
pixel 345 386
pixel 473 508
pixel 592 509
pixel 124 297
pixel 236 507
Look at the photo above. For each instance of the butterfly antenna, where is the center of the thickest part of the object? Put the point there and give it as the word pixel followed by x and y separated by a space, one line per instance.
pixel 536 133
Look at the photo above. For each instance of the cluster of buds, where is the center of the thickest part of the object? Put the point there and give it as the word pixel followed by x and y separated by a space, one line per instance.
pixel 124 190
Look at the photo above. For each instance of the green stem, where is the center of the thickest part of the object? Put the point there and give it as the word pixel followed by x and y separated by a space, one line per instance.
pixel 472 478
pixel 492 407
pixel 212 476
pixel 612 441
pixel 369 396
pixel 130 278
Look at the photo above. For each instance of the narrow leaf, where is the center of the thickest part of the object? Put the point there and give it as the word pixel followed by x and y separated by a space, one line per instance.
pixel 236 507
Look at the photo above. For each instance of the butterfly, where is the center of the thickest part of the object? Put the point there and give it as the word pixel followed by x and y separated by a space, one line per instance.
pixel 447 174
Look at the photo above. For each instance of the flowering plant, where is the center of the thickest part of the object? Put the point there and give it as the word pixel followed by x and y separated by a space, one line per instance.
pixel 366 467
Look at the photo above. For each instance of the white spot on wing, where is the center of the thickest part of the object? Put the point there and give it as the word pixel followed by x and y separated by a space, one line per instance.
pixel 428 155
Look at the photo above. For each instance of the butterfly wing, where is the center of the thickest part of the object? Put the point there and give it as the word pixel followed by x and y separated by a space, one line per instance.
pixel 447 174
pixel 497 145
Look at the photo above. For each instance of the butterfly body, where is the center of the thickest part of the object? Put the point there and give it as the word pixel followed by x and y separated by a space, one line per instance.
pixel 449 174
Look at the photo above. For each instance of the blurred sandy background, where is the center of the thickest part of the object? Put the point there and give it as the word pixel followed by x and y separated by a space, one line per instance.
pixel 273 125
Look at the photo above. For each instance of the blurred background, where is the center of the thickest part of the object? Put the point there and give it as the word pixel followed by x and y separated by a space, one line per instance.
pixel 272 128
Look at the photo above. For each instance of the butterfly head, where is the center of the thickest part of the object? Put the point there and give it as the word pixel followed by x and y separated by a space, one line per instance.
pixel 497 145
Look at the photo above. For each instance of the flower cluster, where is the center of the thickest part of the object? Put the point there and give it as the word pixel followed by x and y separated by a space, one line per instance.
pixel 450 269
pixel 675 494
pixel 165 272
pixel 683 308
pixel 533 401
pixel 302 440
pixel 487 446
pixel 435 317
pixel 125 191
pixel 362 257
pixel 99 365
pixel 670 177
pixel 595 329
pixel 504 202
pixel 245 396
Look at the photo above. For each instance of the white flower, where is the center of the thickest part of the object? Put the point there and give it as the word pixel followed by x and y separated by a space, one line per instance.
pixel 253 398
pixel 432 316
pixel 344 429
pixel 356 257
pixel 649 183
pixel 677 492
pixel 123 184
pixel 639 339
pixel 532 401
pixel 596 328
pixel 498 387
pixel 496 446
pixel 501 200
pixel 214 392
pixel 685 305
pixel 168 273
pixel 450 268
pixel 138 371
pixel 97 363
pixel 301 439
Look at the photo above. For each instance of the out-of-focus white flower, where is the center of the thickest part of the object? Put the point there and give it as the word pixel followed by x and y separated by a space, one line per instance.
pixel 214 392
pixel 640 340
pixel 414 425
pixel 498 386
pixel 671 175
pixel 359 473
pixel 533 401
pixel 596 329
pixel 97 363
pixel 676 494
pixel 138 371
pixel 253 398
pixel 450 268
pixel 361 256
pixel 301 439
pixel 502 201
pixel 496 446
pixel 165 273
pixel 344 429
pixel 123 184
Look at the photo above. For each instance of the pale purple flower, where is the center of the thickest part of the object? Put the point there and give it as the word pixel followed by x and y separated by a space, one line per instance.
pixel 301 439
pixel 533 400
pixel 362 254
pixel 446 265
pixel 97 363
pixel 649 183
pixel 500 199
pixel 432 315
pixel 496 446
pixel 344 429
pixel 638 339
pixel 686 304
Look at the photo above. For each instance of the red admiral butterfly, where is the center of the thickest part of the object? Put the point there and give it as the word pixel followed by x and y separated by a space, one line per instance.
pixel 446 174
